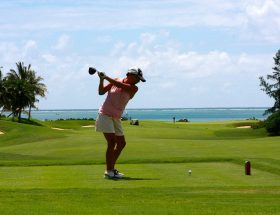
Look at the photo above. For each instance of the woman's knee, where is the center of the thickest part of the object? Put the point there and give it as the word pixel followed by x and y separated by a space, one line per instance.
pixel 120 141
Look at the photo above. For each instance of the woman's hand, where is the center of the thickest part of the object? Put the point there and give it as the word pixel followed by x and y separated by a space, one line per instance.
pixel 101 75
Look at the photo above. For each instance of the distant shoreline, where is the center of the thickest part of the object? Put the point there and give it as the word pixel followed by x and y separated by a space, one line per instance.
pixel 81 109
pixel 162 114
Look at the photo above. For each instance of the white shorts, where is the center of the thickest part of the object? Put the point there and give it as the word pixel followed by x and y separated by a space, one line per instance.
pixel 107 124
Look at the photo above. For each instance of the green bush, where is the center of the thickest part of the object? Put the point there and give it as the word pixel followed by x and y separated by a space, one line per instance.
pixel 259 124
pixel 273 123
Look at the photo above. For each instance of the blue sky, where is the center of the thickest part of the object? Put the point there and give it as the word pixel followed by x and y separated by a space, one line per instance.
pixel 206 53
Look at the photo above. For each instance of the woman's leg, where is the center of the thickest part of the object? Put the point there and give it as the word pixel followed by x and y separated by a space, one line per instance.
pixel 119 146
pixel 110 153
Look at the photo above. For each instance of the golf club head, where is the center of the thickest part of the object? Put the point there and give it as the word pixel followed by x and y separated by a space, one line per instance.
pixel 92 70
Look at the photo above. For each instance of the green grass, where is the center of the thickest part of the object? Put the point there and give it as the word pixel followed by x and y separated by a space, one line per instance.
pixel 46 171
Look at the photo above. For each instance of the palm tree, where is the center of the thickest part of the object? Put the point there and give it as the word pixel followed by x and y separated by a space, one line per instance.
pixel 5 96
pixel 17 88
pixel 2 90
pixel 23 87
pixel 37 88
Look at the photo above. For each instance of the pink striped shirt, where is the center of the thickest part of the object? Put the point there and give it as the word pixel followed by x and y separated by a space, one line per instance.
pixel 115 102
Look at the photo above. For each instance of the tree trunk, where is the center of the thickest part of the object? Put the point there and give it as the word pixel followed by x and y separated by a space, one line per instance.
pixel 19 115
pixel 29 112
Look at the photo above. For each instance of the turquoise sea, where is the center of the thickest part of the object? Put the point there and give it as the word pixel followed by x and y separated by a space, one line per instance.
pixel 165 114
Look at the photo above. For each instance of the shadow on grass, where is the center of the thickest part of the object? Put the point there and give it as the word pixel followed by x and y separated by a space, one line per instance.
pixel 29 122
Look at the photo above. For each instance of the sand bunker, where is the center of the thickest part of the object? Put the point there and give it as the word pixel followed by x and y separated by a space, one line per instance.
pixel 88 126
pixel 1 132
pixel 60 129
pixel 246 126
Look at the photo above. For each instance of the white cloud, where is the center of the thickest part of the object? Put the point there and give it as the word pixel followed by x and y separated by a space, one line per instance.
pixel 159 60
pixel 263 8
pixel 62 42
pixel 49 58
pixel 263 20
pixel 117 48
pixel 28 46
pixel 242 17
pixel 199 77
pixel 173 59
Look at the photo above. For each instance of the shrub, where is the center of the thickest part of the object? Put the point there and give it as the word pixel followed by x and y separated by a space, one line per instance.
pixel 2 116
pixel 273 123
pixel 259 124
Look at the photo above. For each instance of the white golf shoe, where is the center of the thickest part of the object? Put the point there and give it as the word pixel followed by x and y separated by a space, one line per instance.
pixel 113 174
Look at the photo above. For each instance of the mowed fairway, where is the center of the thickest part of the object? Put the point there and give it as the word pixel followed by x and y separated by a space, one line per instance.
pixel 48 171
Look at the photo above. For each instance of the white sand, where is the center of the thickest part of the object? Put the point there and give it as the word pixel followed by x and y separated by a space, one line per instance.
pixel 1 132
pixel 88 126
pixel 60 129
pixel 246 126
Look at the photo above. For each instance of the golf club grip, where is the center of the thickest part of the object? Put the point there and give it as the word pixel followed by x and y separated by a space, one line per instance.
pixel 102 74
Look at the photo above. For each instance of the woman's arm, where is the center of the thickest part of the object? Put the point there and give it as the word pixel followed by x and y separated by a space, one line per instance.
pixel 131 89
pixel 101 88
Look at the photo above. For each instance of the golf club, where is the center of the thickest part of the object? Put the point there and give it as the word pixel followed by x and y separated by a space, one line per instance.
pixel 92 71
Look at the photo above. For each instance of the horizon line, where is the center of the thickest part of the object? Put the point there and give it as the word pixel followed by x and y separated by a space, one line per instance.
pixel 146 108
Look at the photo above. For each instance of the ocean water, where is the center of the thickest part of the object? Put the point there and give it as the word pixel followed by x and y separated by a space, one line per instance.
pixel 165 114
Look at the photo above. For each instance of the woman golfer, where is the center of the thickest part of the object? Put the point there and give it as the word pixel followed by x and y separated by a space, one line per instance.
pixel 119 92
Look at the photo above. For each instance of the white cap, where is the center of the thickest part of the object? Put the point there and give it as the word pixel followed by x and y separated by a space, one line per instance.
pixel 136 71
